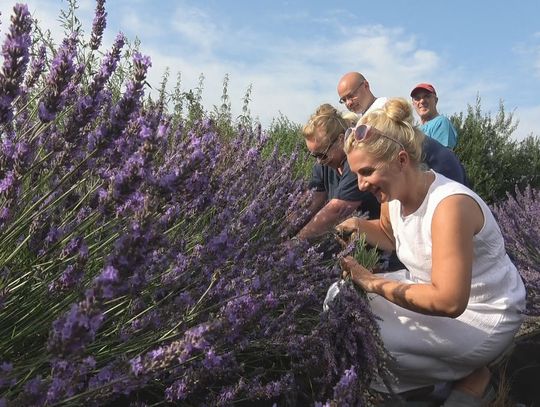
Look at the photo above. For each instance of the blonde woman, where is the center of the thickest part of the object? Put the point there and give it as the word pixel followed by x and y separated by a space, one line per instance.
pixel 458 304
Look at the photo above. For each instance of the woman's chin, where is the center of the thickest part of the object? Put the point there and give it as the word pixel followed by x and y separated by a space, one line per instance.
pixel 381 197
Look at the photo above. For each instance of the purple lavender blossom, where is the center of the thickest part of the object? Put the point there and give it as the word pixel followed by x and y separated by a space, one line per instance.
pixel 34 392
pixel 131 98
pixel 58 81
pixel 518 219
pixel 178 390
pixel 122 112
pixel 89 105
pixel 16 56
pixel 108 64
pixel 36 68
pixel 346 390
pixel 178 231
pixel 72 275
pixel 7 182
pixel 98 25
pixel 74 330
pixel 69 279
pixel 136 365
pixel 69 377
pixel 6 379
pixel 108 284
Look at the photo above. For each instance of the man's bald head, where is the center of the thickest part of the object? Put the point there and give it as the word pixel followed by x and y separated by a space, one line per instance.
pixel 353 90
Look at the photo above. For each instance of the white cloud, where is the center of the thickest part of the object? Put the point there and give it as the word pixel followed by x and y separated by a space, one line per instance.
pixel 528 122
pixel 295 76
pixel 529 52
pixel 197 27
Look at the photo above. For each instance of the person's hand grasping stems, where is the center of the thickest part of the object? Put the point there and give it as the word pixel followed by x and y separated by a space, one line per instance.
pixel 360 275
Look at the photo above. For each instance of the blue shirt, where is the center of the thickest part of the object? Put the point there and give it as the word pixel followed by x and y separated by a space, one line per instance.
pixel 443 160
pixel 442 130
pixel 344 187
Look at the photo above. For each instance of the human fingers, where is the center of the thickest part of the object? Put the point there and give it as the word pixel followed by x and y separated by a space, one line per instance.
pixel 348 226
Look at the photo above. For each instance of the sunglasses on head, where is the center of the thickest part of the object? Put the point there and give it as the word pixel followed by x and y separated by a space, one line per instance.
pixel 362 132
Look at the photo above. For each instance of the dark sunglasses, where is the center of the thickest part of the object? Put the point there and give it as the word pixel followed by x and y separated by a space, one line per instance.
pixel 324 155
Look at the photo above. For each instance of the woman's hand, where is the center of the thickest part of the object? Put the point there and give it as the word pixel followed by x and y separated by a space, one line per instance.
pixel 360 275
pixel 348 226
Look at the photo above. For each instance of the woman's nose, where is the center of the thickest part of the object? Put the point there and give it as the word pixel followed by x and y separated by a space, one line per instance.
pixel 362 183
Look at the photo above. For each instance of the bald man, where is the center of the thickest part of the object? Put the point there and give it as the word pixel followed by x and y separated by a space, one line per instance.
pixel 354 92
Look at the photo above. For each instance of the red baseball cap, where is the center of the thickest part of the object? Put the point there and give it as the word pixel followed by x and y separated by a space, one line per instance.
pixel 425 86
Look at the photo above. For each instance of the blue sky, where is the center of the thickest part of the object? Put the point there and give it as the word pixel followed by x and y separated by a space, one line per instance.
pixel 293 53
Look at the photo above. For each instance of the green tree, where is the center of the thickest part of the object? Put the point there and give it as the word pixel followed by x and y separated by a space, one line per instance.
pixel 495 162
pixel 527 163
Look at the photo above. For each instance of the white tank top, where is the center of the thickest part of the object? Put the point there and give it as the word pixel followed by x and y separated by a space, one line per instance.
pixel 496 284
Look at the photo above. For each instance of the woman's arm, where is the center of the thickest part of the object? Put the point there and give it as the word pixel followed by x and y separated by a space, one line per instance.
pixel 455 222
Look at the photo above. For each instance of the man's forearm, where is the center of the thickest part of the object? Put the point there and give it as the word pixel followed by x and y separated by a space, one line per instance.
pixel 327 218
pixel 300 218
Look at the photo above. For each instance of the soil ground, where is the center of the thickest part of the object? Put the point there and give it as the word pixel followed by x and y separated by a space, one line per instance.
pixel 522 373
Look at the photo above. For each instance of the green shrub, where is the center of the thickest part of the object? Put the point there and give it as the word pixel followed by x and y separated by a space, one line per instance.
pixel 495 162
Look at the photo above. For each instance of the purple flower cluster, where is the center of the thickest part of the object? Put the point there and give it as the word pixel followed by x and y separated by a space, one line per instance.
pixel 518 219
pixel 37 67
pixel 15 51
pixel 58 82
pixel 98 26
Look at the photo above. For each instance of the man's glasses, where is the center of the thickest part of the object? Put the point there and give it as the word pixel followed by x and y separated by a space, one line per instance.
pixel 350 95
pixel 362 132
pixel 324 155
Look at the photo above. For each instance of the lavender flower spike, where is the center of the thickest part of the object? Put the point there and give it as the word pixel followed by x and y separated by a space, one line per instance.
pixel 98 26
pixel 36 68
pixel 134 89
pixel 108 65
pixel 60 75
pixel 16 56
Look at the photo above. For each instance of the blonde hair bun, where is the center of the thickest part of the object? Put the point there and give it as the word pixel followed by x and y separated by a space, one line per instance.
pixel 399 110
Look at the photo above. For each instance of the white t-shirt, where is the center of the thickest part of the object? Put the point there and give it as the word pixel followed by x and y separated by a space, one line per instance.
pixel 377 104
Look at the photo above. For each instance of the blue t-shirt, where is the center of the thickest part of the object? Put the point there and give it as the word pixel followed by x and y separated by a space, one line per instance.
pixel 442 130
pixel 344 187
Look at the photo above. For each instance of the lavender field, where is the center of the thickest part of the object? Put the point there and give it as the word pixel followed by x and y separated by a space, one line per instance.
pixel 144 251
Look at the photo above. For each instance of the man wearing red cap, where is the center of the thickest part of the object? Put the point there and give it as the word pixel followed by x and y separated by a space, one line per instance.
pixel 424 100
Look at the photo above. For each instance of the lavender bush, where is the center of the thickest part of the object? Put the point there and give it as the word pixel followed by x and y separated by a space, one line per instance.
pixel 518 218
pixel 142 254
